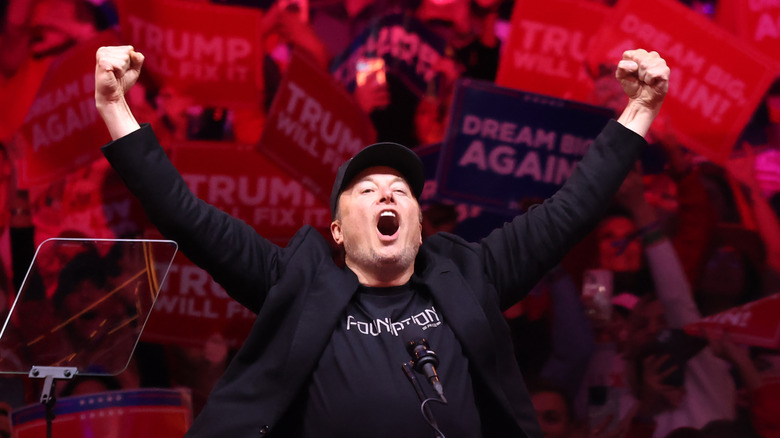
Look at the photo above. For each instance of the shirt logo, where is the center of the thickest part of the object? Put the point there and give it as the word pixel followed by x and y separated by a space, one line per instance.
pixel 426 319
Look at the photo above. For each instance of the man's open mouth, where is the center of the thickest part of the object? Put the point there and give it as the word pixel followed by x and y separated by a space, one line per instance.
pixel 387 223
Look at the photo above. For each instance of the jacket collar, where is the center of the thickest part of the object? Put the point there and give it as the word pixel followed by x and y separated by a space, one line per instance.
pixel 322 309
pixel 465 315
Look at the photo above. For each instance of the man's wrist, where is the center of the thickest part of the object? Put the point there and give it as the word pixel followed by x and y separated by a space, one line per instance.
pixel 118 118
pixel 637 117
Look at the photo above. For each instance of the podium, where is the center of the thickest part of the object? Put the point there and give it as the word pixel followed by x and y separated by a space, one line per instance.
pixel 81 309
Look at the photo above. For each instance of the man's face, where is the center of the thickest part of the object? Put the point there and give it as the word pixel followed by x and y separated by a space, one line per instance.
pixel 378 221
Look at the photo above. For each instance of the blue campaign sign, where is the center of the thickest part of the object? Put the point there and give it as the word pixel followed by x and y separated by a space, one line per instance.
pixel 429 155
pixel 506 149
pixel 473 223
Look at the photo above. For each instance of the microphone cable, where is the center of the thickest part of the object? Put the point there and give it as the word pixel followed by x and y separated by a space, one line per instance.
pixel 425 410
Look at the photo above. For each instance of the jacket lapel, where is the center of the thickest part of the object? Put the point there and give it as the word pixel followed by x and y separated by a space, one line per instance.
pixel 466 317
pixel 324 305
pixel 463 313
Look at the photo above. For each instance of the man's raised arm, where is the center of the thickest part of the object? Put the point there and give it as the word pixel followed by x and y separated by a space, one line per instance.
pixel 116 70
pixel 645 79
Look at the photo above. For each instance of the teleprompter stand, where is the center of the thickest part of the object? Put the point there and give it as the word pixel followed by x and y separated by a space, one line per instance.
pixel 48 398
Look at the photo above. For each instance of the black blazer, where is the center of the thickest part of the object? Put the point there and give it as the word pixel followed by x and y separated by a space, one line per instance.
pixel 300 294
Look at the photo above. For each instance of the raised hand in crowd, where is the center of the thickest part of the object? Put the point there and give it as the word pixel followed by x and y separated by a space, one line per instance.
pixel 374 93
pixel 723 347
pixel 631 196
pixel 285 24
pixel 655 396
pixel 432 113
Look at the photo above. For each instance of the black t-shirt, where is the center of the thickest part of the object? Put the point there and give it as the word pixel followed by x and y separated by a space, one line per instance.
pixel 359 388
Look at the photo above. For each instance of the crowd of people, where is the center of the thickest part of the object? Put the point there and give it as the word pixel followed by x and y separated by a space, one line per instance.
pixel 675 245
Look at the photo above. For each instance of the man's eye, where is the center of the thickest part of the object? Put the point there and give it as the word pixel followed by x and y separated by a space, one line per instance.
pixel 367 190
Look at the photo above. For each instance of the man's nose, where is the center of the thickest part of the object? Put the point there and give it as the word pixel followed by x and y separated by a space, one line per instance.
pixel 386 195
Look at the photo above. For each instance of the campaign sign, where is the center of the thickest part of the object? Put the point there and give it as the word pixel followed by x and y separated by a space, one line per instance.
pixel 755 323
pixel 717 80
pixel 429 155
pixel 243 183
pixel 474 222
pixel 162 413
pixel 506 148
pixel 410 50
pixel 313 127
pixel 758 23
pixel 209 52
pixel 63 131
pixel 192 307
pixel 545 51
pixel 247 185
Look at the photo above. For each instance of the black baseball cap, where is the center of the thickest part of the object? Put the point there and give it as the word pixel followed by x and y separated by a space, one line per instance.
pixel 392 155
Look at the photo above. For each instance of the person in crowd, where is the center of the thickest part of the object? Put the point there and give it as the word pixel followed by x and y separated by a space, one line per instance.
pixel 679 197
pixel 307 368
pixel 101 330
pixel 439 217
pixel 338 23
pixel 732 271
pixel 32 33
pixel 701 389
pixel 635 391
pixel 553 337
pixel 553 411
pixel 470 33
pixel 284 29
pixel 759 417
pixel 472 51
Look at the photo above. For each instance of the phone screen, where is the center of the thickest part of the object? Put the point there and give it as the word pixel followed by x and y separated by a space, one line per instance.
pixel 367 66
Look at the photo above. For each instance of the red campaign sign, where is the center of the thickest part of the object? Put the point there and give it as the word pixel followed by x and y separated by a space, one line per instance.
pixel 191 308
pixel 755 323
pixel 244 183
pixel 313 127
pixel 725 14
pixel 63 131
pixel 209 52
pixel 717 80
pixel 545 51
pixel 162 413
pixel 240 181
pixel 758 23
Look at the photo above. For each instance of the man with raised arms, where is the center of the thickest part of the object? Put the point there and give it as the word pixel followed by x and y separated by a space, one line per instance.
pixel 323 357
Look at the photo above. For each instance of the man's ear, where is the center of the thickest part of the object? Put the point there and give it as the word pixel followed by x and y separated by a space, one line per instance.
pixel 335 231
